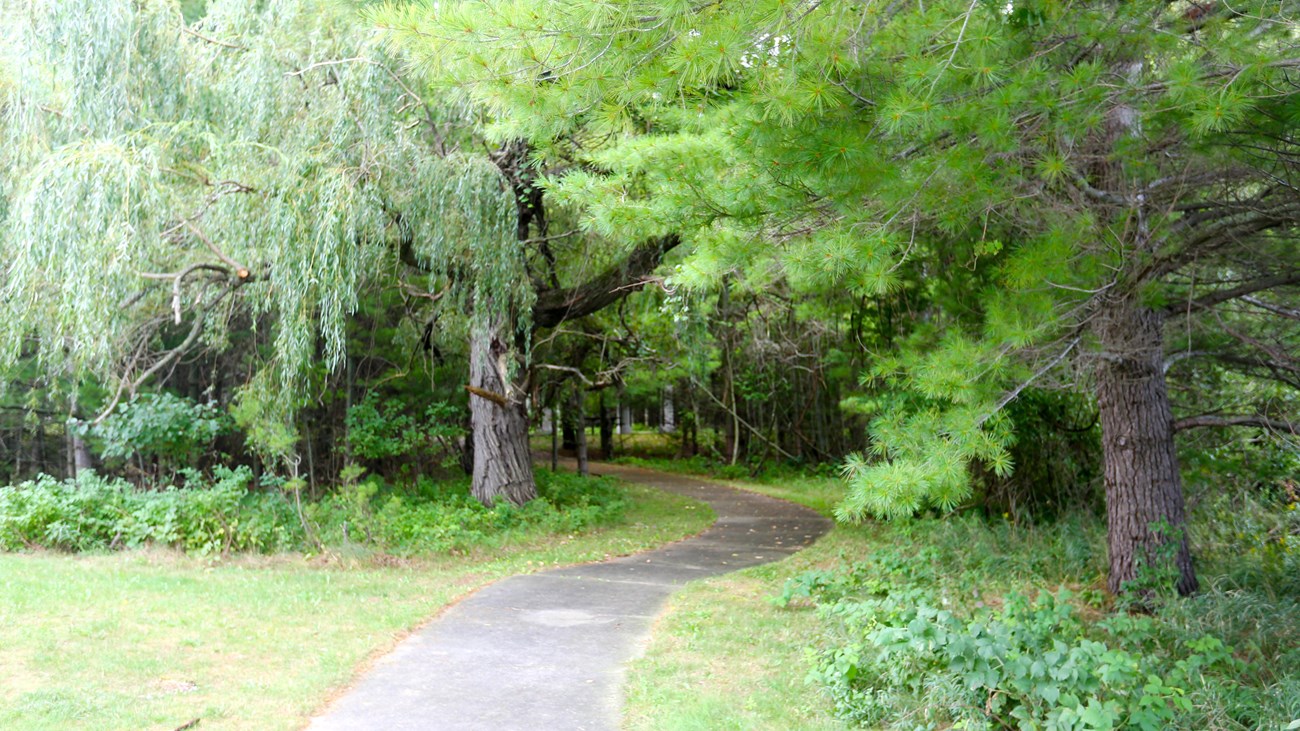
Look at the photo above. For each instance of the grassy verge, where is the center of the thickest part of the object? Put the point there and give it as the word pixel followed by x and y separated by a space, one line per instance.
pixel 155 639
pixel 723 655
pixel 861 610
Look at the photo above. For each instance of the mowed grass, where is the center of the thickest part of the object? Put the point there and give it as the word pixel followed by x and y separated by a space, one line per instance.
pixel 155 640
pixel 724 657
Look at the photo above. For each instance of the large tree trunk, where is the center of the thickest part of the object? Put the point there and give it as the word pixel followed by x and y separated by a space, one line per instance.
pixel 1146 521
pixel 503 467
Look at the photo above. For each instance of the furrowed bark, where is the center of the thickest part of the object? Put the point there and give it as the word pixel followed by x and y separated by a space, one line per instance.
pixel 503 467
pixel 555 306
pixel 1146 519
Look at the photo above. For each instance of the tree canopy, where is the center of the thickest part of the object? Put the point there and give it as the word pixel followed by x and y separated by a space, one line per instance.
pixel 1064 178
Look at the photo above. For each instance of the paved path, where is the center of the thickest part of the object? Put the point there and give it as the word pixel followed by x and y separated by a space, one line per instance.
pixel 546 652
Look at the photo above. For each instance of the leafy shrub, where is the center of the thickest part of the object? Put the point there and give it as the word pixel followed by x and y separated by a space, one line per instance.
pixel 221 515
pixel 934 630
pixel 1028 665
pixel 378 430
pixel 92 512
pixel 159 425
pixel 439 517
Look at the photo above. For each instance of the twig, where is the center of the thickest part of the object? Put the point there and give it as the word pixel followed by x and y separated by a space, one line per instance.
pixel 200 36
pixel 1025 384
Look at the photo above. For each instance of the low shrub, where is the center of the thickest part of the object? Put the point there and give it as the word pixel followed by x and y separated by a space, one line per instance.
pixel 442 516
pixel 92 512
pixel 221 515
pixel 1028 665
pixel 946 624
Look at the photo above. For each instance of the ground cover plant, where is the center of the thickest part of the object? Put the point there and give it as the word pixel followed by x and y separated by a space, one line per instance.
pixel 975 621
pixel 155 638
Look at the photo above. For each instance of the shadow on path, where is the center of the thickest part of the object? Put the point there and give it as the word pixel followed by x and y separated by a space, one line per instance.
pixel 546 651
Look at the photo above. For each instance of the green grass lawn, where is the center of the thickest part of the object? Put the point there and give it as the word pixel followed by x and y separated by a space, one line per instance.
pixel 154 639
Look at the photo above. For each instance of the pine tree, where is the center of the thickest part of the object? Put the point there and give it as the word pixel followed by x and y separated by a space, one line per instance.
pixel 1103 167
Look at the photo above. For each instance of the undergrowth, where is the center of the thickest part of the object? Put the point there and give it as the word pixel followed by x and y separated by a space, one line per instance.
pixel 223 513
pixel 969 623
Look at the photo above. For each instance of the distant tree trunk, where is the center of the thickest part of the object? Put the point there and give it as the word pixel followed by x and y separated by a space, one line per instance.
pixel 83 460
pixel 669 410
pixel 71 452
pixel 606 431
pixel 580 422
pixel 503 467
pixel 568 429
pixel 624 411
pixel 555 450
pixel 1146 521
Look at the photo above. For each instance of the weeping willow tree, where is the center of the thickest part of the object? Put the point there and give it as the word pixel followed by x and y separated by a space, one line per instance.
pixel 160 175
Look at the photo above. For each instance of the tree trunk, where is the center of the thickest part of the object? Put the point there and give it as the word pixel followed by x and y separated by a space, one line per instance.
pixel 503 467
pixel 1146 521
pixel 606 431
pixel 553 412
pixel 568 430
pixel 580 420
pixel 624 411
pixel 81 453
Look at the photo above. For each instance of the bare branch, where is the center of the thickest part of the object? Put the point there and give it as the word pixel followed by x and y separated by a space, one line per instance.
pixel 1259 422
pixel 1011 395
pixel 1223 295
pixel 555 306
pixel 1287 312
pixel 492 396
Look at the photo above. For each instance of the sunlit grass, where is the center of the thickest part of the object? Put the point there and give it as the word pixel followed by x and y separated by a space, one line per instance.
pixel 154 640
pixel 724 658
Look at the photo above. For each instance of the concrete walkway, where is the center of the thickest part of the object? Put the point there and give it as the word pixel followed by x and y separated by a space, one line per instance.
pixel 546 652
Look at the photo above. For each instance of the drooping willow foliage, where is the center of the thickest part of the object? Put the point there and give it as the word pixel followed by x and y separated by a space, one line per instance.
pixel 150 169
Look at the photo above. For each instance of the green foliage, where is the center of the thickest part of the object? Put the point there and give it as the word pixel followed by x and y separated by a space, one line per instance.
pixel 1027 665
pixel 443 517
pixel 999 158
pixel 1252 539
pixel 222 515
pixel 1056 451
pixel 98 513
pixel 159 425
pixel 949 623
pixel 377 430
pixel 159 166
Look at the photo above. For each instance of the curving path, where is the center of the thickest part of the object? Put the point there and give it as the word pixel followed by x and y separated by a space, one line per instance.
pixel 547 651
